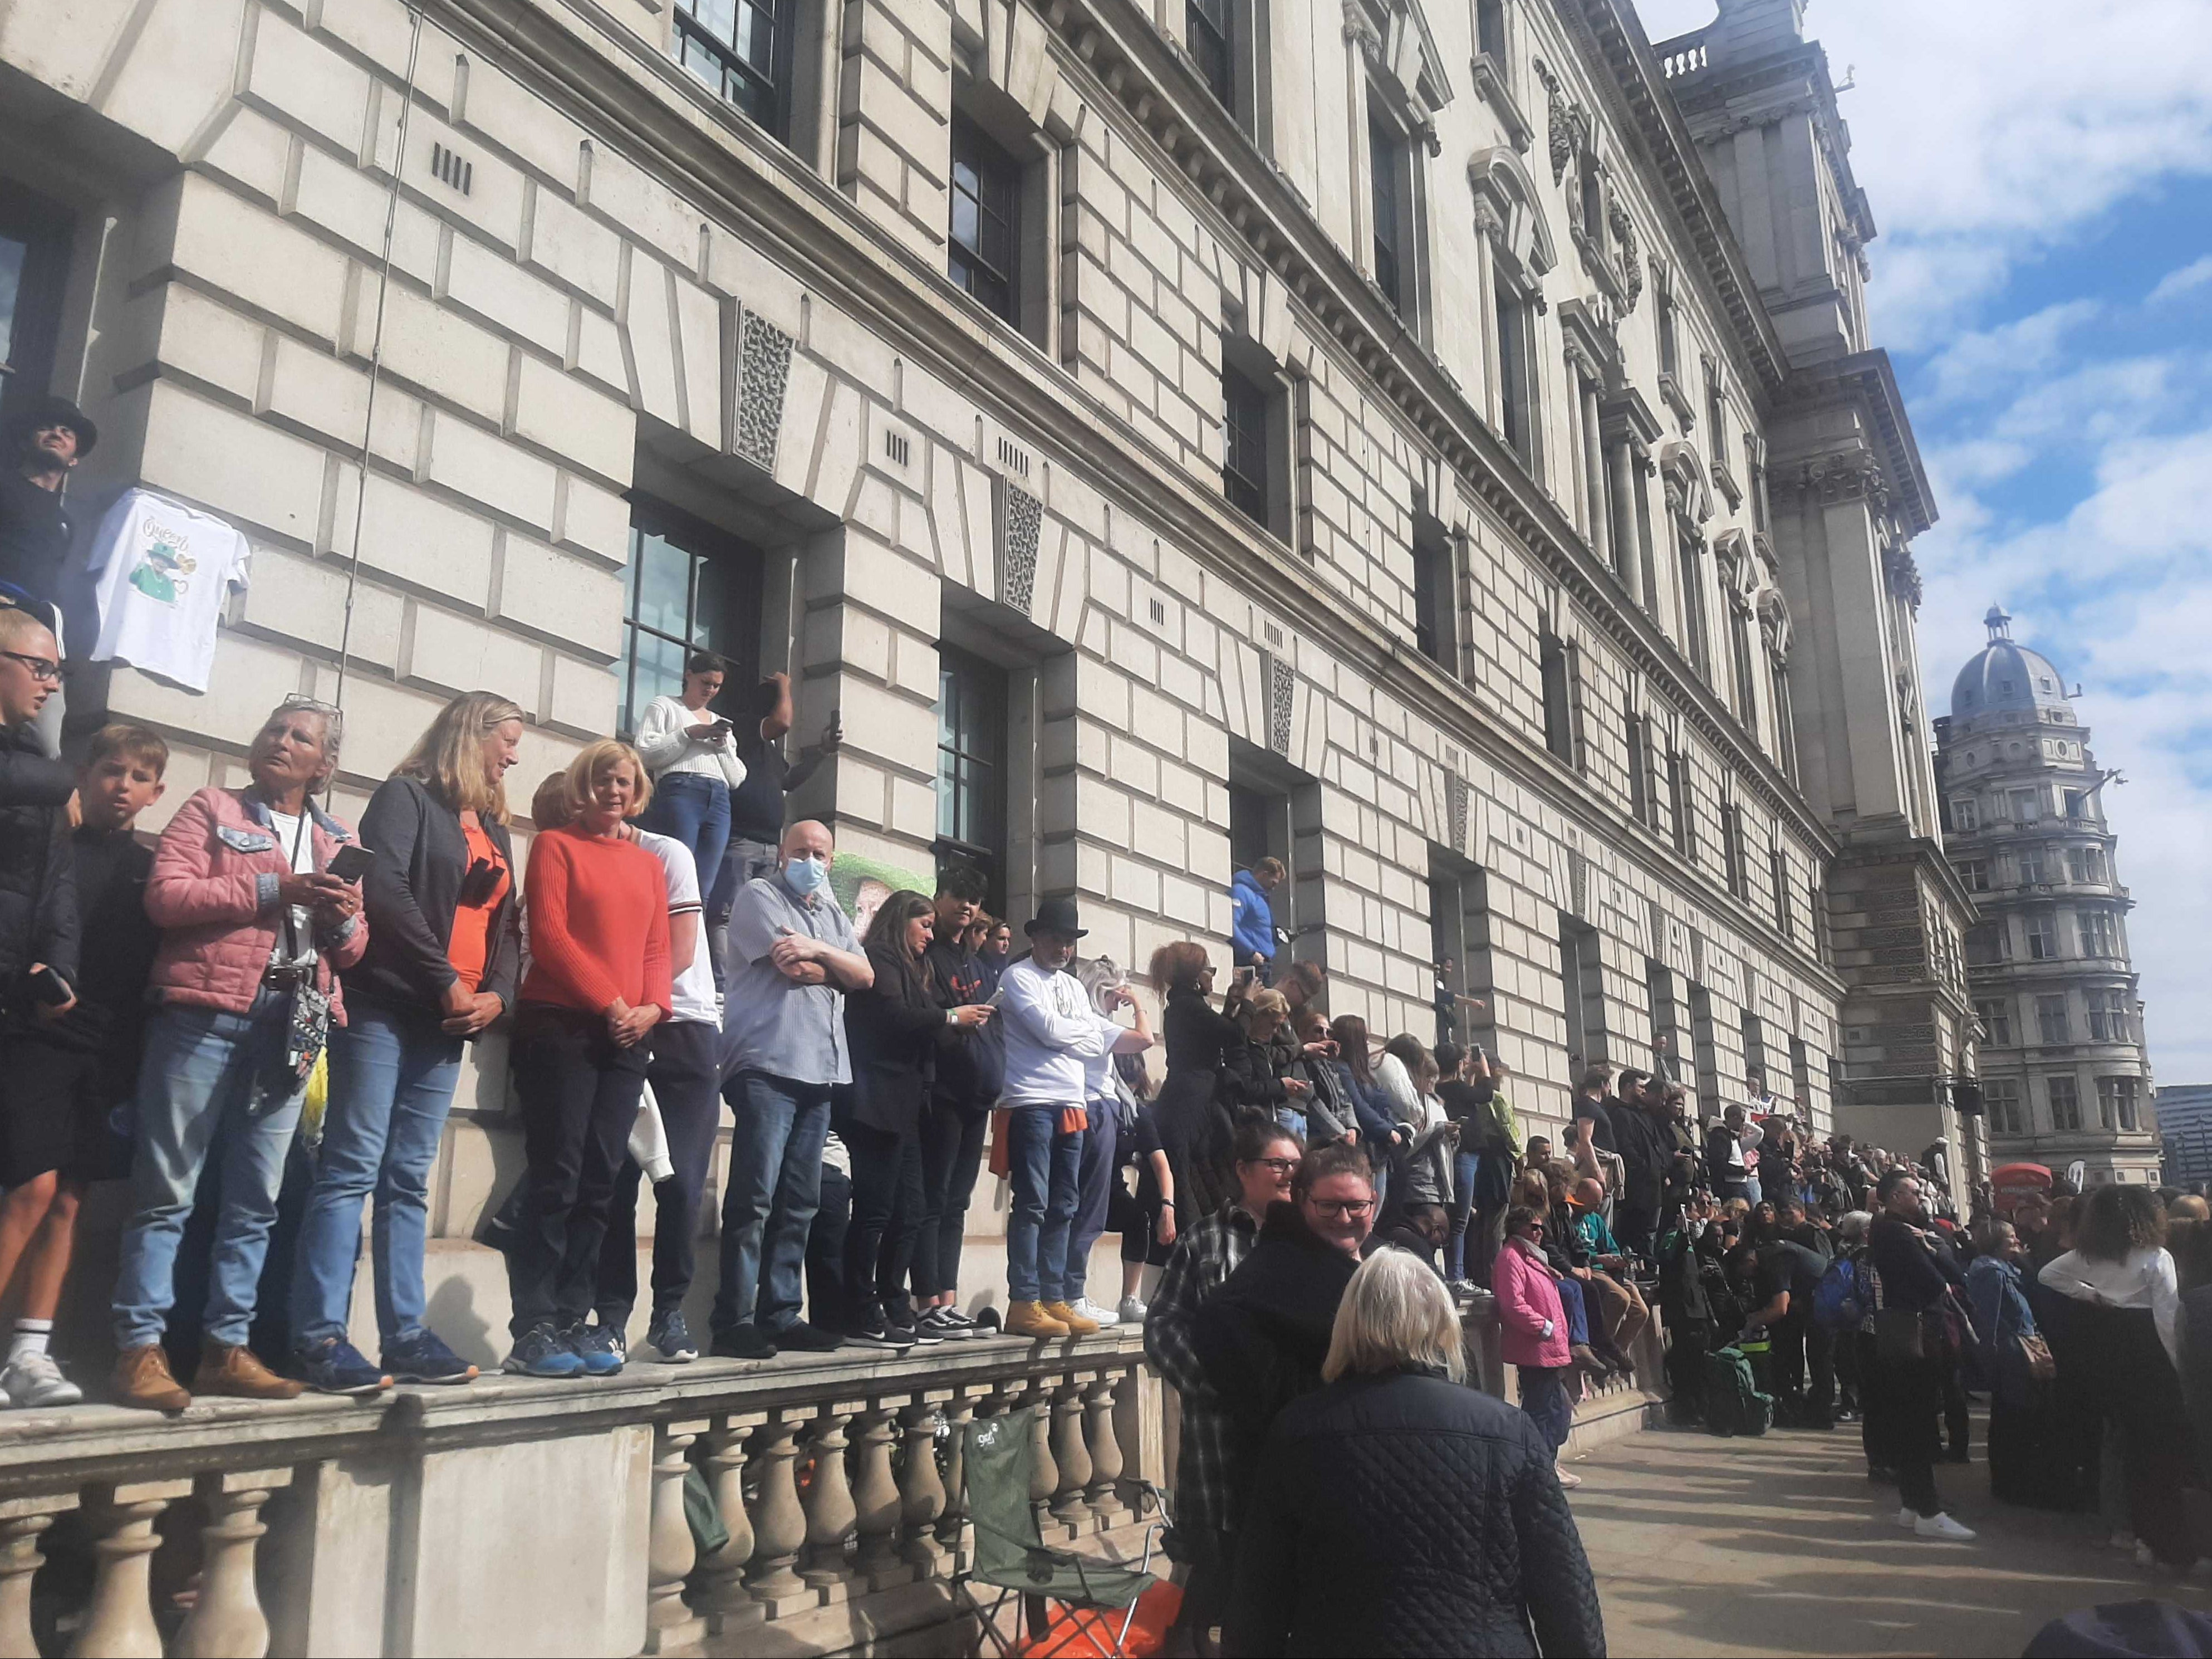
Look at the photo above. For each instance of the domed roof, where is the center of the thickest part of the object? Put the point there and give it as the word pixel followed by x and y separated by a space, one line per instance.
pixel 2006 677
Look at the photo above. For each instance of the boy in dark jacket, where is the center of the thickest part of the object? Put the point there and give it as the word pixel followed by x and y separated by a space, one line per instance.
pixel 65 1067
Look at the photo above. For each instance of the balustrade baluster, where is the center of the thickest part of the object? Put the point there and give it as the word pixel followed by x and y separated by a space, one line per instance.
pixel 227 1621
pixel 779 1523
pixel 670 1552
pixel 1044 1471
pixel 966 1406
pixel 1106 1463
pixel 120 1622
pixel 722 1594
pixel 922 1489
pixel 1070 1458
pixel 875 1498
pixel 22 1520
pixel 829 1504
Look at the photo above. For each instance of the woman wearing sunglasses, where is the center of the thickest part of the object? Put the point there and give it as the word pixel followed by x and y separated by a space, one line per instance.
pixel 444 950
pixel 1532 1327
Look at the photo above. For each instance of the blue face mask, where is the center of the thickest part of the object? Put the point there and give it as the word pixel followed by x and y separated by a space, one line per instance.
pixel 805 876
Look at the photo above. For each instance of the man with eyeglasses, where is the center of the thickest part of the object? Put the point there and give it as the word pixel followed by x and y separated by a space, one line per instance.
pixel 1207 1502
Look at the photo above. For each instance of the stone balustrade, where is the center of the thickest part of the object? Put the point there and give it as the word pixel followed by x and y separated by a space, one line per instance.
pixel 515 1516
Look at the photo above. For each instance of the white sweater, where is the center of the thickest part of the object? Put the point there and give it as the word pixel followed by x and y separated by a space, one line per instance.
pixel 666 746
pixel 2145 1280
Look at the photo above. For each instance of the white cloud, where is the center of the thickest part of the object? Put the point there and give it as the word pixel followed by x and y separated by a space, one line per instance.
pixel 2188 279
pixel 1985 364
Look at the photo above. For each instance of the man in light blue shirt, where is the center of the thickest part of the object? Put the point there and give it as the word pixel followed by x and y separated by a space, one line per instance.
pixel 1052 1031
pixel 793 957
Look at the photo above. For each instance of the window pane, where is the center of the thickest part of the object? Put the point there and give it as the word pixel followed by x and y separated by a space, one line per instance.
pixel 662 595
pixel 12 254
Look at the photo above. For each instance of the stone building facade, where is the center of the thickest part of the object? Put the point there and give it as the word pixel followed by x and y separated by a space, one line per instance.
pixel 2064 1074
pixel 1440 446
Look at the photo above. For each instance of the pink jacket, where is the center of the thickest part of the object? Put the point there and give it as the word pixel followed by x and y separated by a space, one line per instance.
pixel 213 893
pixel 1527 1297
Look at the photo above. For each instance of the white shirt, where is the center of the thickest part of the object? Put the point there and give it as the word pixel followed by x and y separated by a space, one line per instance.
pixel 1051 1030
pixel 297 839
pixel 160 575
pixel 692 995
pixel 666 746
pixel 2145 1278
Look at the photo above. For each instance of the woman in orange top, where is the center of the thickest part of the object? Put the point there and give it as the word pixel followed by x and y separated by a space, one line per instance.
pixel 598 981
pixel 440 968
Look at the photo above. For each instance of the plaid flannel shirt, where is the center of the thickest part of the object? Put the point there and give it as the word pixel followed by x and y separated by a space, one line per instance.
pixel 1206 1507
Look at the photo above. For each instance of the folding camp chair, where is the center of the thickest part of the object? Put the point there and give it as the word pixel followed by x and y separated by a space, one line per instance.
pixel 1010 1555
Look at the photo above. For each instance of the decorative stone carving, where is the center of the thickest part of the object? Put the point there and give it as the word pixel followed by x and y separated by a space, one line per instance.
pixel 1280 685
pixel 1852 475
pixel 1021 527
pixel 764 370
pixel 1631 261
pixel 1903 572
pixel 1455 810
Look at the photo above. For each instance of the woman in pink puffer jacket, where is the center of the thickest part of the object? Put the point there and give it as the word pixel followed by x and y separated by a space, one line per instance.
pixel 1533 1327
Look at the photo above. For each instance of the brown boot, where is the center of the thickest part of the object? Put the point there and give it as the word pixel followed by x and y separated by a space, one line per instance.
pixel 1031 1320
pixel 1076 1323
pixel 236 1372
pixel 142 1379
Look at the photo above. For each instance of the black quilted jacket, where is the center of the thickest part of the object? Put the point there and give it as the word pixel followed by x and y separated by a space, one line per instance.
pixel 1404 1514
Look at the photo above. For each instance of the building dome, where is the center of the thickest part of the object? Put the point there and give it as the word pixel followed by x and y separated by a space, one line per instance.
pixel 2006 677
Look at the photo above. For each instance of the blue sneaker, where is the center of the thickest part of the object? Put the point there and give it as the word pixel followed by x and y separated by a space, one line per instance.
pixel 541 1351
pixel 422 1358
pixel 669 1338
pixel 335 1366
pixel 600 1349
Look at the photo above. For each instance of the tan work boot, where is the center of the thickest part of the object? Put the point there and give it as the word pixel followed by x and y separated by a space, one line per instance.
pixel 235 1371
pixel 1076 1323
pixel 142 1380
pixel 1033 1319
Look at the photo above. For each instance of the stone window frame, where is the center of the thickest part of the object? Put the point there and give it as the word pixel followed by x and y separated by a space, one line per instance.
pixel 2054 1020
pixel 1996 1014
pixel 2001 1099
pixel 1246 358
pixel 1045 159
pixel 2066 1108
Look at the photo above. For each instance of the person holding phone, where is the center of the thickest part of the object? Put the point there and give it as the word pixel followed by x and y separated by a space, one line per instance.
pixel 444 953
pixel 690 754
pixel 257 930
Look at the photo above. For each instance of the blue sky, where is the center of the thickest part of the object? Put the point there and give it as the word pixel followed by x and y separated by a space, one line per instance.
pixel 2041 172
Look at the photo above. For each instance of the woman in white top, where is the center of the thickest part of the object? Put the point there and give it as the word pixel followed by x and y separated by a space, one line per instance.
pixel 692 756
pixel 2125 1334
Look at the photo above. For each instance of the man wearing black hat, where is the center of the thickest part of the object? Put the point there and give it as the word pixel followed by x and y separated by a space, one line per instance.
pixel 35 525
pixel 1051 1030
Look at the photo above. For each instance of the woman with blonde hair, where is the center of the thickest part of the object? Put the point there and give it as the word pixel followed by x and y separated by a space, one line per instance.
pixel 599 981
pixel 1398 1510
pixel 443 955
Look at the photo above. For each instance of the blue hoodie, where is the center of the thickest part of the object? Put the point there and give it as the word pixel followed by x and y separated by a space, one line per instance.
pixel 1252 919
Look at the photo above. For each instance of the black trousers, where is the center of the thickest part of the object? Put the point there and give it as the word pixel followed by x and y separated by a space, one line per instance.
pixel 887 1206
pixel 2133 1384
pixel 1687 1341
pixel 1803 1363
pixel 1903 1399
pixel 825 1249
pixel 580 1094
pixel 686 1075
pixel 951 1149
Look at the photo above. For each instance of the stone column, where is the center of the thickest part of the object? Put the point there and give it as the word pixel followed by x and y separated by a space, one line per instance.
pixel 1044 1473
pixel 119 1624
pixel 22 1520
pixel 965 1405
pixel 1105 1499
pixel 875 1498
pixel 1070 1456
pixel 226 1621
pixel 670 1552
pixel 723 1596
pixel 1628 535
pixel 922 1489
pixel 779 1523
pixel 829 1504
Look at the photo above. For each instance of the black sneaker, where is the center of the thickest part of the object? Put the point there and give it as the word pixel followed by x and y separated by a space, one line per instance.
pixel 601 1348
pixel 669 1338
pixel 800 1337
pixel 746 1341
pixel 948 1322
pixel 422 1358
pixel 335 1366
pixel 876 1334
pixel 920 1333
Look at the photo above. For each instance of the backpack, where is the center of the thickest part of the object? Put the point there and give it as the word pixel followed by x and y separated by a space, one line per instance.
pixel 1839 1304
pixel 1733 1406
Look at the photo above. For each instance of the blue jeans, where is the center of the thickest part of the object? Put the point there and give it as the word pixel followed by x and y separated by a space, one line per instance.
pixel 694 809
pixel 208 1076
pixel 1544 1397
pixel 1097 1172
pixel 1047 1167
pixel 1750 1190
pixel 1577 1309
pixel 1466 1166
pixel 393 1074
pixel 768 1209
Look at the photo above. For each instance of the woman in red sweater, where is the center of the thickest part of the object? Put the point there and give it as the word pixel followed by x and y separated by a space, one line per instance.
pixel 597 981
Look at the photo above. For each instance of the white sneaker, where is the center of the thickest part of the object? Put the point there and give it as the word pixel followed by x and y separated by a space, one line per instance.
pixel 1906 1517
pixel 1132 1311
pixel 1568 1479
pixel 1943 1527
pixel 34 1381
pixel 1097 1316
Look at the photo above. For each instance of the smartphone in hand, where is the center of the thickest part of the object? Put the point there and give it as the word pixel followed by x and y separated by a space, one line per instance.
pixel 351 862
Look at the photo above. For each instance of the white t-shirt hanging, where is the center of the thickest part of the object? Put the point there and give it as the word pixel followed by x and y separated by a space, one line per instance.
pixel 692 988
pixel 159 574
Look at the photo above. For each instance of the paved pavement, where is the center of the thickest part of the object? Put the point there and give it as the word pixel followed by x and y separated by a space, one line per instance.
pixel 1780 1545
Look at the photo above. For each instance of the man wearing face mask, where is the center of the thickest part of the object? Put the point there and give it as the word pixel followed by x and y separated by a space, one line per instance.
pixel 793 957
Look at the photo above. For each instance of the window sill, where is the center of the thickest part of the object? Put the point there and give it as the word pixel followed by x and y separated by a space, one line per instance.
pixel 1489 78
pixel 1725 481
pixel 1670 389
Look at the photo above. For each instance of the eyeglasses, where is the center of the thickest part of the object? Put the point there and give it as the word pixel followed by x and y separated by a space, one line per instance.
pixel 1347 1209
pixel 1281 1166
pixel 43 668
